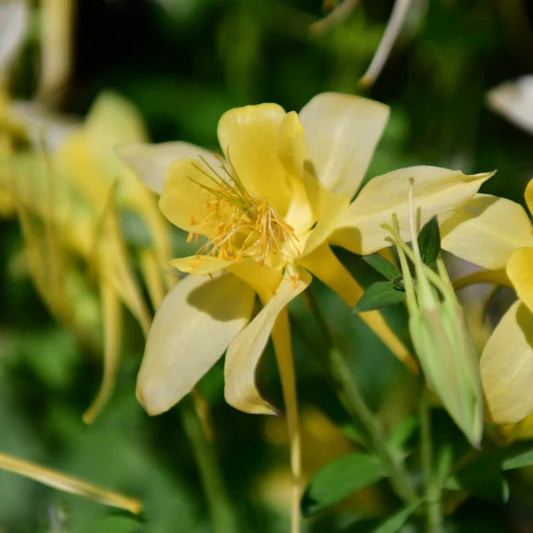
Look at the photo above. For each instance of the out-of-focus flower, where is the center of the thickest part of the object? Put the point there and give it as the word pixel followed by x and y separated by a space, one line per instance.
pixel 14 19
pixel 497 234
pixel 514 101
pixel 269 212
pixel 70 192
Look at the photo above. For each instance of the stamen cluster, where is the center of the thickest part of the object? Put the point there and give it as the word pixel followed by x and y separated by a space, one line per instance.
pixel 239 224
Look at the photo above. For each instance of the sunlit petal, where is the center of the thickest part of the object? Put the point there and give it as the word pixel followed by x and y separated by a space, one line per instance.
pixel 251 137
pixel 199 264
pixel 245 350
pixel 151 161
pixel 520 272
pixel 528 195
pixel 186 197
pixel 507 366
pixel 437 191
pixel 341 132
pixel 191 330
pixel 487 230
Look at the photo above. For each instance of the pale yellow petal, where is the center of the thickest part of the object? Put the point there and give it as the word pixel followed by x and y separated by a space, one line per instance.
pixel 332 208
pixel 486 231
pixel 60 481
pixel 341 132
pixel 520 272
pixel 507 366
pixel 261 278
pixel 113 264
pixel 528 195
pixel 151 161
pixel 186 198
pixel 191 330
pixel 246 349
pixel 200 264
pixel 437 191
pixel 112 317
pixel 251 137
pixel 514 100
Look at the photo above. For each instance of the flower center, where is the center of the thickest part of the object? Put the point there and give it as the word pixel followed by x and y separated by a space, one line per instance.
pixel 240 224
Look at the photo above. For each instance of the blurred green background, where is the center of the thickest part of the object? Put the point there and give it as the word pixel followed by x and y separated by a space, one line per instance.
pixel 183 63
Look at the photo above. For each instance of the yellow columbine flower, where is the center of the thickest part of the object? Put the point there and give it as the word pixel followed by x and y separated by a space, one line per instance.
pixel 267 213
pixel 497 234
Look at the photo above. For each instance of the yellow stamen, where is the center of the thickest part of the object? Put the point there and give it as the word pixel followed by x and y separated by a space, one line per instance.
pixel 240 223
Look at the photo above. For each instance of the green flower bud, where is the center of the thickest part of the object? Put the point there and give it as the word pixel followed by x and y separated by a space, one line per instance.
pixel 442 338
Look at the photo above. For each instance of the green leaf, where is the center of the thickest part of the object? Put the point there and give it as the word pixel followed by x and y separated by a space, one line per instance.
pixel 429 242
pixel 378 295
pixel 518 460
pixel 384 267
pixel 339 479
pixel 397 520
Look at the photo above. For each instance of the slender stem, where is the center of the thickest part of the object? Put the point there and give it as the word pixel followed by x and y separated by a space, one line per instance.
pixel 360 412
pixel 431 483
pixel 221 511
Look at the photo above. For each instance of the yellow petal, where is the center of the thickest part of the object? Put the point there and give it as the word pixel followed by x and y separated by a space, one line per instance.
pixel 324 265
pixel 114 267
pixel 185 199
pixel 507 366
pixel 191 330
pixel 341 132
pixel 261 278
pixel 151 161
pixel 246 349
pixel 514 100
pixel 59 481
pixel 520 272
pixel 486 231
pixel 200 264
pixel 528 195
pixel 252 138
pixel 437 191
pixel 112 316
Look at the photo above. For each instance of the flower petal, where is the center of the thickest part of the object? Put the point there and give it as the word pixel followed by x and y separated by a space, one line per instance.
pixel 486 231
pixel 199 264
pixel 186 196
pixel 520 272
pixel 507 366
pixel 341 132
pixel 151 161
pixel 528 195
pixel 514 100
pixel 437 191
pixel 245 350
pixel 191 330
pixel 252 138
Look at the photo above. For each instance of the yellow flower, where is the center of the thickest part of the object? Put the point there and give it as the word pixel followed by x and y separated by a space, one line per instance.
pixel 68 200
pixel 267 213
pixel 497 234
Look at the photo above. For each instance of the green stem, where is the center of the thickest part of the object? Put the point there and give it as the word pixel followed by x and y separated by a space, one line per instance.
pixel 220 509
pixel 431 483
pixel 356 406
